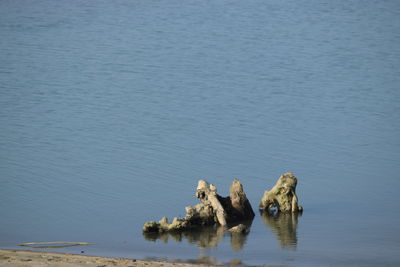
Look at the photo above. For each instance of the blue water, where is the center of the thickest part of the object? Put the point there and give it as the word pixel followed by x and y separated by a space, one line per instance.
pixel 110 111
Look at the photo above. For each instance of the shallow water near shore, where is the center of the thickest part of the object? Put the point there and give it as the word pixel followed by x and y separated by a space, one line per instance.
pixel 110 111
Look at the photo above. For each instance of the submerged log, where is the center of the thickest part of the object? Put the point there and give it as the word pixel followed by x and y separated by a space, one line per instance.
pixel 213 209
pixel 239 235
pixel 240 229
pixel 282 197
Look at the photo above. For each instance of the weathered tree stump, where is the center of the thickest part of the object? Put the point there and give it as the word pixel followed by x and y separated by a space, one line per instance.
pixel 213 209
pixel 282 197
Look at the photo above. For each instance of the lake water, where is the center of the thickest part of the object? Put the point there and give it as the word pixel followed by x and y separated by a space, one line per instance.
pixel 110 111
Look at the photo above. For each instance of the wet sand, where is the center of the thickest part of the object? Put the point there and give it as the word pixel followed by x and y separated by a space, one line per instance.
pixel 22 258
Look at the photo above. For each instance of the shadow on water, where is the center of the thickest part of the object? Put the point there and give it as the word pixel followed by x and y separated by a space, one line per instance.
pixel 284 226
pixel 203 237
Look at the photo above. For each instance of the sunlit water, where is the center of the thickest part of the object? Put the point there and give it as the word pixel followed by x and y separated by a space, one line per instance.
pixel 110 111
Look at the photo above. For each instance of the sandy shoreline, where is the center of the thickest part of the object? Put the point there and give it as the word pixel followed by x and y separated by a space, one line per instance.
pixel 22 258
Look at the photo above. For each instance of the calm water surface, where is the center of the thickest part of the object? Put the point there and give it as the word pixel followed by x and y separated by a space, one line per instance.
pixel 110 112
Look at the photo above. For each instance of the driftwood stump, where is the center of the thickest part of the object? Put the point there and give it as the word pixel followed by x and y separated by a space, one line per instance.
pixel 213 209
pixel 236 207
pixel 282 197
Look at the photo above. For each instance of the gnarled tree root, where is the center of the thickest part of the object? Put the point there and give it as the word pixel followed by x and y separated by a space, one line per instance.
pixel 282 197
pixel 213 209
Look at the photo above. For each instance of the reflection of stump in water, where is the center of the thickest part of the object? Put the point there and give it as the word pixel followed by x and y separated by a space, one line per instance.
pixel 284 225
pixel 203 237
pixel 239 235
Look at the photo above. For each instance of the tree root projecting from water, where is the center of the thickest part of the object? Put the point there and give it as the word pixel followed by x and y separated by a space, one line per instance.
pixel 56 244
pixel 214 209
pixel 282 197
